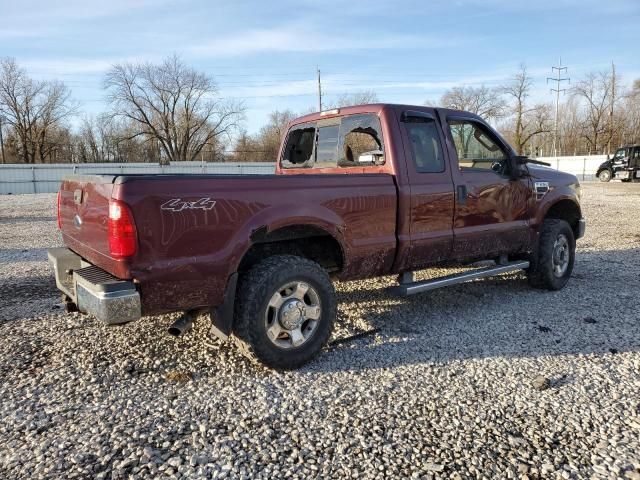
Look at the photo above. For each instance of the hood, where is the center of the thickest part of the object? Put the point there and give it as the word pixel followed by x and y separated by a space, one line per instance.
pixel 605 164
pixel 559 181
pixel 553 176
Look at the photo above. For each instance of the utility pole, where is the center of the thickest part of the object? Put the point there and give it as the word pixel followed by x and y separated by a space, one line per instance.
pixel 613 100
pixel 1 139
pixel 558 79
pixel 319 92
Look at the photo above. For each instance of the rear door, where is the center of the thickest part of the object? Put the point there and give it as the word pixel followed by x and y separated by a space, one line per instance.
pixel 492 211
pixel 432 195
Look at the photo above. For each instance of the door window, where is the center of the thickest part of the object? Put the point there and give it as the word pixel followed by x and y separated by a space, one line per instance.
pixel 476 147
pixel 426 150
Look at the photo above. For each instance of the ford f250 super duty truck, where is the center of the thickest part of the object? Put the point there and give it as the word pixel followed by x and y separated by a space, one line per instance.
pixel 357 192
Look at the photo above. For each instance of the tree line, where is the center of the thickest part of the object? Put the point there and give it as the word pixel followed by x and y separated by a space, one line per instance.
pixel 595 117
pixel 168 112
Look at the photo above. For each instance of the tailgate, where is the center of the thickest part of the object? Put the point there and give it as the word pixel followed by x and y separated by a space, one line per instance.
pixel 84 211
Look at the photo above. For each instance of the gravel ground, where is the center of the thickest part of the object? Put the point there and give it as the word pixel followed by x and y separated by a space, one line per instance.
pixel 487 380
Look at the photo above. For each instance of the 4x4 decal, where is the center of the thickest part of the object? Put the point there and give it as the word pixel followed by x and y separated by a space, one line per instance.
pixel 177 205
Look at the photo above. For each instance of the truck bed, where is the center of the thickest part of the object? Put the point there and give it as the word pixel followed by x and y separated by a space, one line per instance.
pixel 187 250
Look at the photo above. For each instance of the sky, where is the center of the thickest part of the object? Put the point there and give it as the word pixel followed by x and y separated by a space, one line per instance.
pixel 265 54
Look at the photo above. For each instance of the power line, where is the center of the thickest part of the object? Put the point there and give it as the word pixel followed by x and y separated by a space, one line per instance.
pixel 558 79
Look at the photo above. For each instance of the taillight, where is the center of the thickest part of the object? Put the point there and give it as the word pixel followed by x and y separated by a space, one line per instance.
pixel 59 218
pixel 123 240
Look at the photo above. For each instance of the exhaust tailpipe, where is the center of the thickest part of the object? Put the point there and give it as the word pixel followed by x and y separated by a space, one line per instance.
pixel 182 324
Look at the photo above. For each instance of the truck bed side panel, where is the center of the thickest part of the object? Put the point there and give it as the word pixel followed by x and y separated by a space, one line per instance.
pixel 186 254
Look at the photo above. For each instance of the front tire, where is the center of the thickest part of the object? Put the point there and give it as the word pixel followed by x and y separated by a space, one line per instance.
pixel 604 176
pixel 552 263
pixel 285 309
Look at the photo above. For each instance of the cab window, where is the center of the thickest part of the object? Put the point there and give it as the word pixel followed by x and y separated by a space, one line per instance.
pixel 425 145
pixel 298 151
pixel 360 141
pixel 350 141
pixel 476 147
pixel 327 146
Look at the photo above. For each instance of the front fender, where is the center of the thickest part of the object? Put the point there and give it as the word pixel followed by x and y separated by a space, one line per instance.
pixel 553 197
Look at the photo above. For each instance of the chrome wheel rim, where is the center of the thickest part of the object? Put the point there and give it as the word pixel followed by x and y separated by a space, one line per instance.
pixel 605 175
pixel 561 254
pixel 292 315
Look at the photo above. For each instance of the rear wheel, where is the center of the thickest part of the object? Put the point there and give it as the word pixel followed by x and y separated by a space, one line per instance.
pixel 604 176
pixel 553 262
pixel 285 310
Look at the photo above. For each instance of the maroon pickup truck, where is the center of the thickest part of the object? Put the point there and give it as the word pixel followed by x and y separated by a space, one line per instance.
pixel 357 192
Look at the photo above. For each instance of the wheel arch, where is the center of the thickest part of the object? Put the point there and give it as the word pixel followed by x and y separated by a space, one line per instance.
pixel 565 209
pixel 307 240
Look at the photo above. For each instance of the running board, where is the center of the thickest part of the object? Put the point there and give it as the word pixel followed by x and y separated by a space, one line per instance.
pixel 411 288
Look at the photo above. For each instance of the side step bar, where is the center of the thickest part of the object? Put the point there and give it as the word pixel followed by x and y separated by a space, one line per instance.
pixel 411 288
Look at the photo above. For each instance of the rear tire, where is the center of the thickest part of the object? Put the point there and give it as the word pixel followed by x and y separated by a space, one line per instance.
pixel 285 309
pixel 552 263
pixel 604 176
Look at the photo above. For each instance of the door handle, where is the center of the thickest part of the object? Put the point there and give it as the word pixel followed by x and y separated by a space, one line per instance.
pixel 461 194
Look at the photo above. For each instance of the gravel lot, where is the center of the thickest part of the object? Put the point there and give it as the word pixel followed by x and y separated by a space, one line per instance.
pixel 447 388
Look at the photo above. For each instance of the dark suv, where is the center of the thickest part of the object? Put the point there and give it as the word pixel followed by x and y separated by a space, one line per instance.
pixel 625 165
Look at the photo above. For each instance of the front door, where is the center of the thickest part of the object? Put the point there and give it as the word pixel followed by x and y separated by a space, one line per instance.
pixel 492 211
pixel 432 202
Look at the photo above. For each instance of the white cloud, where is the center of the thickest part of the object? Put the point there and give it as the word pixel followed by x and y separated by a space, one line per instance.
pixel 44 18
pixel 295 38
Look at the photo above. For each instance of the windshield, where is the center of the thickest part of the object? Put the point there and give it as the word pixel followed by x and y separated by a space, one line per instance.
pixel 619 154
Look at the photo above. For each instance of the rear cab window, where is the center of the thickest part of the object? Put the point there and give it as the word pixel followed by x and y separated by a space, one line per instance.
pixel 352 141
pixel 299 150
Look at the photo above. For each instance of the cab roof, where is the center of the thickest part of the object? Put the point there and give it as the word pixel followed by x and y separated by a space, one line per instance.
pixel 370 108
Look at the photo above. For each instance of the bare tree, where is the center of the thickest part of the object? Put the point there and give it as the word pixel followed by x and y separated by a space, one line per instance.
pixel 361 97
pixel 264 146
pixel 596 91
pixel 629 129
pixel 484 101
pixel 171 104
pixel 526 122
pixel 34 109
pixel 271 134
pixel 569 127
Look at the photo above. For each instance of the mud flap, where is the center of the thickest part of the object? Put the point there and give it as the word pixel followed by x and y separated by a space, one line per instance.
pixel 222 315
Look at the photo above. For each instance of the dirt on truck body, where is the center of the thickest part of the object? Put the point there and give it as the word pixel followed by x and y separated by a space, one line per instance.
pixel 358 192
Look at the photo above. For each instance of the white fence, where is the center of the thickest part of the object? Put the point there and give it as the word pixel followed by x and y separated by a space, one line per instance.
pixel 584 167
pixel 46 178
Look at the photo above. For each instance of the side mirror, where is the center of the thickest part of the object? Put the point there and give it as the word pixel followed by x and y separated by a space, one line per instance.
pixel 517 166
pixel 374 157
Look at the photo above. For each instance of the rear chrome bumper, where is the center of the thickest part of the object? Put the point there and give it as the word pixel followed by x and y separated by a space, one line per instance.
pixel 93 290
pixel 582 226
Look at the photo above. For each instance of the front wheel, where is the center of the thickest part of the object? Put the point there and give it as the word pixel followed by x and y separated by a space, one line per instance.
pixel 604 176
pixel 285 310
pixel 552 264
